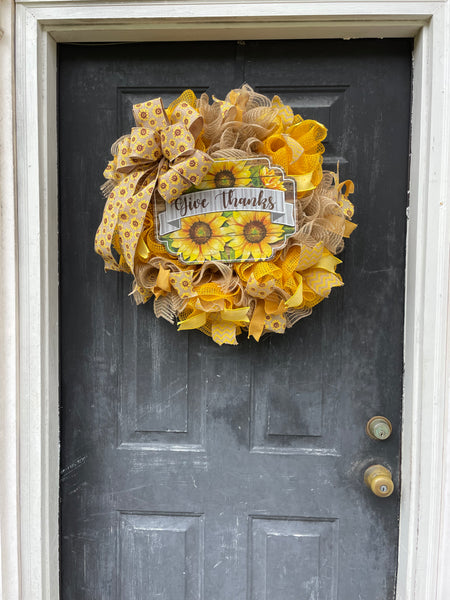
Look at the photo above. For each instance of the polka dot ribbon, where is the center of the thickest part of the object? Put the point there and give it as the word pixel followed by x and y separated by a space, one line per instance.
pixel 158 155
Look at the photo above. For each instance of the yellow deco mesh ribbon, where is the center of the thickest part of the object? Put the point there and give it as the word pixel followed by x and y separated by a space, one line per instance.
pixel 158 155
pixel 300 280
pixel 249 124
pixel 165 153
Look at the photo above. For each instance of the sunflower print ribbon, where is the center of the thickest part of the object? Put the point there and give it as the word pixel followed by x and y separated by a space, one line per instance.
pixel 158 155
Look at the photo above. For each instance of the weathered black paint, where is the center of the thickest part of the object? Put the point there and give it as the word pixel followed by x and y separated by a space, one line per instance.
pixel 191 471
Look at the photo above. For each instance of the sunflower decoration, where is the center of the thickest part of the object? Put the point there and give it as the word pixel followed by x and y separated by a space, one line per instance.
pixel 271 180
pixel 200 238
pixel 252 234
pixel 254 247
pixel 226 174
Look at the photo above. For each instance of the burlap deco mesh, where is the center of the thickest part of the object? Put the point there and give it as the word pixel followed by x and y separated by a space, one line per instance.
pixel 294 315
pixel 167 307
pixel 228 138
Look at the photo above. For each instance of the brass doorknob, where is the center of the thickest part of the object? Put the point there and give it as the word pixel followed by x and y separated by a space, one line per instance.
pixel 379 480
pixel 379 428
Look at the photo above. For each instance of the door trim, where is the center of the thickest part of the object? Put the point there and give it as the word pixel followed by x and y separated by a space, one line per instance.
pixel 424 549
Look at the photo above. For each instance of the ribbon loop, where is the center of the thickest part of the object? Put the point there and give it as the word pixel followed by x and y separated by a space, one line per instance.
pixel 122 160
pixel 145 144
pixel 187 116
pixel 172 184
pixel 176 141
pixel 151 114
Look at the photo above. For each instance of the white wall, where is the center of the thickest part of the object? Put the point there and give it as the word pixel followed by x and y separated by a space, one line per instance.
pixel 9 573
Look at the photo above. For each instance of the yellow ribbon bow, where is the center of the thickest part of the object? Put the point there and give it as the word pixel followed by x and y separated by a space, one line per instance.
pixel 158 155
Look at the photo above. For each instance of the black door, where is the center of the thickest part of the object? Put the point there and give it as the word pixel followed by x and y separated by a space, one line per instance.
pixel 192 471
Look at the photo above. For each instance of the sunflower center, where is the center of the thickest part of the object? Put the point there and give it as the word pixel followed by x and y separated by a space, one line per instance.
pixel 224 179
pixel 200 232
pixel 255 232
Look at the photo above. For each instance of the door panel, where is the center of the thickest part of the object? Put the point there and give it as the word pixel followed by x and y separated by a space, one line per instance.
pixel 193 471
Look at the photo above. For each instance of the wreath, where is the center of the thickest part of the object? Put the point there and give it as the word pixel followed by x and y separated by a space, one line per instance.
pixel 221 211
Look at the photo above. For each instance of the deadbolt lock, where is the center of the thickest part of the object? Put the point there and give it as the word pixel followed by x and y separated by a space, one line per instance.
pixel 379 480
pixel 379 428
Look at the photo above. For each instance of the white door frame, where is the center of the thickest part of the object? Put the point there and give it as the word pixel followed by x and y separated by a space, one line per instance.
pixel 424 550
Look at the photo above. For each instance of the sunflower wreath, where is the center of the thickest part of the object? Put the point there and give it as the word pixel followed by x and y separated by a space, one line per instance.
pixel 222 213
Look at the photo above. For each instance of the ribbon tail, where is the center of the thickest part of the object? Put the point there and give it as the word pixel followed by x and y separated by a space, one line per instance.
pixel 162 280
pixel 321 282
pixel 277 324
pixel 119 222
pixel 195 321
pixel 349 227
pixel 297 298
pixel 309 256
pixel 107 231
pixel 224 332
pixel 256 326
pixel 304 182
pixel 236 315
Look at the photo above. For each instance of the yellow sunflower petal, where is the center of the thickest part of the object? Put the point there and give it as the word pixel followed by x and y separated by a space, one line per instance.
pixel 242 217
pixel 237 241
pixel 244 253
pixel 266 250
pixel 273 238
pixel 193 254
